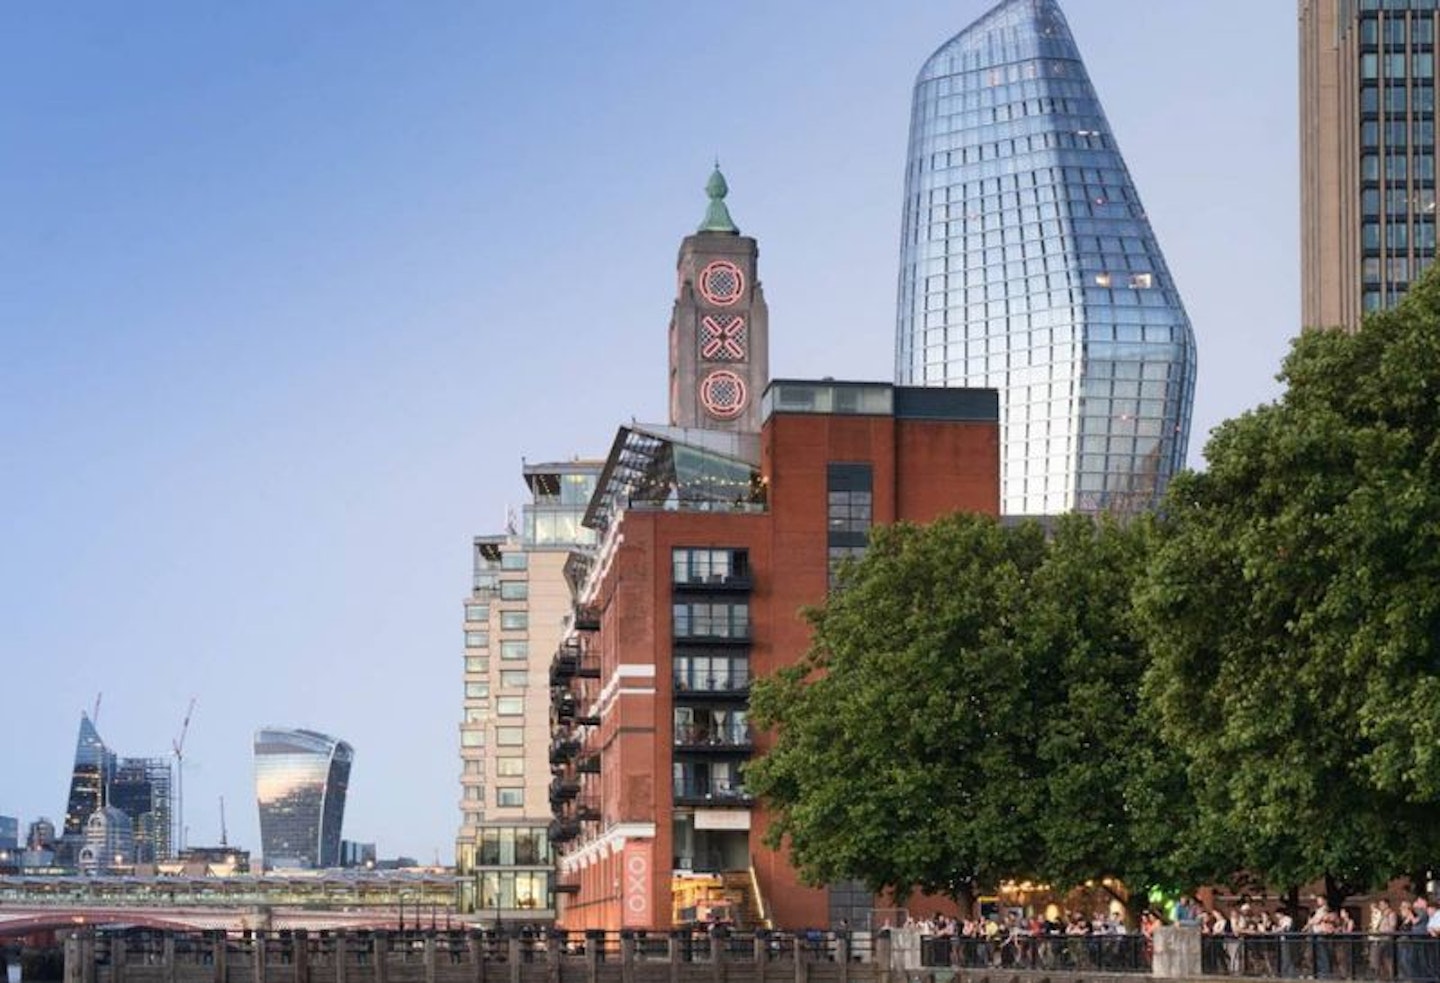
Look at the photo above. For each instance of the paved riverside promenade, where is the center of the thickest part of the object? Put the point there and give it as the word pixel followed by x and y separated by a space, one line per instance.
pixel 114 956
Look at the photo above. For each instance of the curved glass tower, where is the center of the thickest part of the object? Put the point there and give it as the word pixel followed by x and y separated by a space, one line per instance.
pixel 300 783
pixel 1027 265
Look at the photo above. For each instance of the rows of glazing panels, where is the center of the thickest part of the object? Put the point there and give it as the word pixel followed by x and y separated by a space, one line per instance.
pixel 1395 72
pixel 1028 265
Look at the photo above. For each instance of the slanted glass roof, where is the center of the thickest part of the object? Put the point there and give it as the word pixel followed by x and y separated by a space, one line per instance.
pixel 676 468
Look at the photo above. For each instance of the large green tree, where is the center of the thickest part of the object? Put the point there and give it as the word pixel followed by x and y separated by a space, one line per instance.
pixel 969 713
pixel 1115 803
pixel 1293 608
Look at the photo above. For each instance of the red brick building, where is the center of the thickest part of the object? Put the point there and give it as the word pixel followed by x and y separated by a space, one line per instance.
pixel 712 543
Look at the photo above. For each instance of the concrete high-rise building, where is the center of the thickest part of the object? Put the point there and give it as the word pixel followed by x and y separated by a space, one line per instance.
pixel 301 778
pixel 515 615
pixel 1367 154
pixel 1028 265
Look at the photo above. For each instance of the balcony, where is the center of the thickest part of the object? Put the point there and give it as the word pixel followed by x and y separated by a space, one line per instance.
pixel 563 830
pixel 713 634
pixel 587 812
pixel 735 580
pixel 563 789
pixel 587 619
pixel 566 706
pixel 724 740
pixel 589 763
pixel 570 663
pixel 562 749
pixel 706 792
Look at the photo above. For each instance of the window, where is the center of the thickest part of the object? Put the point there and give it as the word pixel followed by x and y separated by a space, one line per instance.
pixel 707 620
pixel 477 612
pixel 522 890
pixel 477 639
pixel 510 767
pixel 514 678
pixel 509 797
pixel 514 560
pixel 509 706
pixel 707 673
pixel 476 715
pixel 477 691
pixel 472 738
pixel 476 663
pixel 510 845
pixel 509 736
pixel 850 510
pixel 514 590
pixel 708 566
pixel 514 620
pixel 514 649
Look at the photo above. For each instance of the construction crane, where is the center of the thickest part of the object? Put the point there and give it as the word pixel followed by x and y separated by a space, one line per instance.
pixel 178 745
pixel 95 712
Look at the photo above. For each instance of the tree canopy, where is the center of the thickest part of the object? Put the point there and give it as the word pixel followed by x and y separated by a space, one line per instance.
pixel 969 713
pixel 1293 608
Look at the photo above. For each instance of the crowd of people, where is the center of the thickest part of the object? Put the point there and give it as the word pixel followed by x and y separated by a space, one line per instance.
pixel 1397 942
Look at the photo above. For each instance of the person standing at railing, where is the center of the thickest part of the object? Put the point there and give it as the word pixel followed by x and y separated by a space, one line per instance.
pixel 1383 923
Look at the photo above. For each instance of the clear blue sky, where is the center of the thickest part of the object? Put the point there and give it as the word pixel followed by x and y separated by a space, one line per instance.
pixel 288 289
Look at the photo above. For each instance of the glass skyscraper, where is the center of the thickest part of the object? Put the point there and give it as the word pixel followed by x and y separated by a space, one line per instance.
pixel 300 782
pixel 1027 264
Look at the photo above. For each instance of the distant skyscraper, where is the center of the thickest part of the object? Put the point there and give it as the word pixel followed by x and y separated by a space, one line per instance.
pixel 301 778
pixel 140 787
pixel 94 763
pixel 1367 154
pixel 1027 264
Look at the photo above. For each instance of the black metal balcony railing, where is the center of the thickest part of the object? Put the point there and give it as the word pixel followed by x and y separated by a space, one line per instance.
pixel 733 682
pixel 562 789
pixel 712 791
pixel 589 763
pixel 587 619
pixel 562 749
pixel 736 737
pixel 713 632
pixel 564 830
pixel 736 580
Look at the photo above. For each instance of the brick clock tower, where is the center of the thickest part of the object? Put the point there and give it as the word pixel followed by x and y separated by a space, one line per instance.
pixel 720 328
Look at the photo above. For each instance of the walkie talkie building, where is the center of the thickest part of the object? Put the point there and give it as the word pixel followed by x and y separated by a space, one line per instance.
pixel 1027 264
pixel 300 782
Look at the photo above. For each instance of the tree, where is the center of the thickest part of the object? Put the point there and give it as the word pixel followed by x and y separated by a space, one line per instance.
pixel 899 757
pixel 1293 608
pixel 969 713
pixel 1116 807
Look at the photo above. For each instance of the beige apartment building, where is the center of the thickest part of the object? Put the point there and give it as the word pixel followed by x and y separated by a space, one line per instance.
pixel 1367 154
pixel 518 610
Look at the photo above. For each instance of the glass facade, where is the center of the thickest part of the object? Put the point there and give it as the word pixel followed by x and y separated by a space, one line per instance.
pixel 1394 76
pixel 1027 264
pixel 300 782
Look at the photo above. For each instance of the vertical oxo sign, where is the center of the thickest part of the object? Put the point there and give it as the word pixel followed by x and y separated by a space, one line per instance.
pixel 635 881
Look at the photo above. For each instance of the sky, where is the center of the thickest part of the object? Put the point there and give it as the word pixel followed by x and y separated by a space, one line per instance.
pixel 289 290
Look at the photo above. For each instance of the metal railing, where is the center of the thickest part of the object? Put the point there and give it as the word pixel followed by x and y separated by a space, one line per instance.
pixel 1276 956
pixel 1049 953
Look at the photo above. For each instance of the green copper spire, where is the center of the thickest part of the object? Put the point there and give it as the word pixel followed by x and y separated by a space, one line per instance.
pixel 717 216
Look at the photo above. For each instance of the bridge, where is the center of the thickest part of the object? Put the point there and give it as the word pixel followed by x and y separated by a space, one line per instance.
pixel 18 920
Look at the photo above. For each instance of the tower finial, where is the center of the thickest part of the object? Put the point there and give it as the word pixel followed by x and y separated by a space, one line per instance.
pixel 717 215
